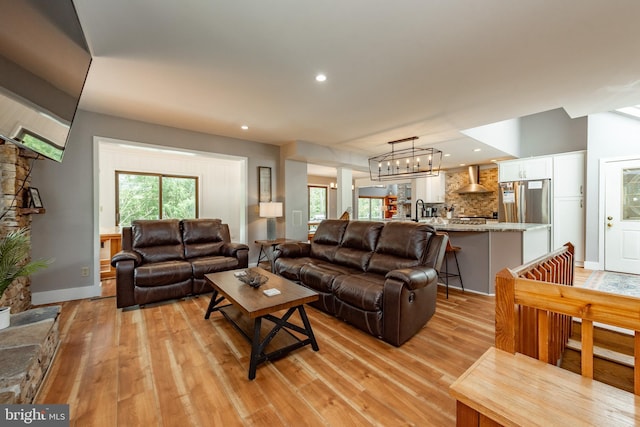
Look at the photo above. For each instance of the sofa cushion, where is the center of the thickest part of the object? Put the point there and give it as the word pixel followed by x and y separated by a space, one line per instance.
pixel 146 295
pixel 206 265
pixel 358 244
pixel 157 240
pixel 204 237
pixel 320 275
pixel 369 321
pixel 363 291
pixel 162 273
pixel 289 268
pixel 327 238
pixel 401 245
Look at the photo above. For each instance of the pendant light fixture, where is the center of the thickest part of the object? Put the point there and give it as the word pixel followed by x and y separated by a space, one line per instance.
pixel 413 162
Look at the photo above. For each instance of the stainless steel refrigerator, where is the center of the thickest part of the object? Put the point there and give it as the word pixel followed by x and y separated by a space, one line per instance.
pixel 525 201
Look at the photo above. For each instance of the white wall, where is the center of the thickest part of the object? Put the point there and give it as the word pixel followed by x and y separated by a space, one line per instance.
pixel 610 136
pixel 504 135
pixel 222 181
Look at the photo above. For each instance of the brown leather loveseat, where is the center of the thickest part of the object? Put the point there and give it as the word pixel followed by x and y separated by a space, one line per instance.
pixel 167 259
pixel 380 277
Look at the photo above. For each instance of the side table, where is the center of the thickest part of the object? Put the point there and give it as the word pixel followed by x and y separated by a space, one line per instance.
pixel 266 250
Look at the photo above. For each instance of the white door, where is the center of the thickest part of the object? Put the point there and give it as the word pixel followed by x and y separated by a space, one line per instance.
pixel 622 216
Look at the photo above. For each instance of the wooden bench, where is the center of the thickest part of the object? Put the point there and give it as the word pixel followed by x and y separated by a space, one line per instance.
pixel 507 387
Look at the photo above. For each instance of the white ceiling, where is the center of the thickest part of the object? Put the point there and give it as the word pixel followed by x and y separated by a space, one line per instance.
pixel 428 68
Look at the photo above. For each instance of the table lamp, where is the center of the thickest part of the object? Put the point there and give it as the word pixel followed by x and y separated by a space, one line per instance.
pixel 271 211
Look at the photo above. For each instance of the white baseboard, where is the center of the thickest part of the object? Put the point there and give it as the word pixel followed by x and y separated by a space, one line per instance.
pixel 591 265
pixel 60 295
pixel 466 290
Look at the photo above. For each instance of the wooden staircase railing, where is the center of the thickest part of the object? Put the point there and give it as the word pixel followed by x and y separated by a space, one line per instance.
pixel 550 300
pixel 520 334
pixel 504 387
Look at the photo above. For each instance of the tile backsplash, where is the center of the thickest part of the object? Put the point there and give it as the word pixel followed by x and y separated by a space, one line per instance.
pixel 483 204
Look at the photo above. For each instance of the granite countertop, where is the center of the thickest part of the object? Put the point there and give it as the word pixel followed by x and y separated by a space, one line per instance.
pixel 497 226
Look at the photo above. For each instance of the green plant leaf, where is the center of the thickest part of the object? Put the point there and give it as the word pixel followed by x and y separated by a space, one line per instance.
pixel 14 253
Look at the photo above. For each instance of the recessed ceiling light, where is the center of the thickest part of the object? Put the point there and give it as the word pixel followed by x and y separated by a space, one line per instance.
pixel 447 155
pixel 463 164
pixel 321 78
pixel 493 160
pixel 244 127
pixel 477 149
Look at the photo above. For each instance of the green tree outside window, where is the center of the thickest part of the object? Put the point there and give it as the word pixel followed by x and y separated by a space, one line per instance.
pixel 154 196
pixel 370 208
pixel 317 203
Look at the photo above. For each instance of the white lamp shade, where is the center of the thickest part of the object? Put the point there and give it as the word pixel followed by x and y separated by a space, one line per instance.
pixel 270 209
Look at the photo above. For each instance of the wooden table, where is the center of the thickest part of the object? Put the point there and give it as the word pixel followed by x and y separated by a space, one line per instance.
pixel 251 312
pixel 504 389
pixel 266 249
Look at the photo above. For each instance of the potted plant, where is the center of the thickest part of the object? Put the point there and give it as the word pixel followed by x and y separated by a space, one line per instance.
pixel 14 251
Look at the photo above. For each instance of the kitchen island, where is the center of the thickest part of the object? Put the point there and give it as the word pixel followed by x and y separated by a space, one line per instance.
pixel 488 248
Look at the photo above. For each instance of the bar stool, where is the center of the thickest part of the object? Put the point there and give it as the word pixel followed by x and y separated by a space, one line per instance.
pixel 448 251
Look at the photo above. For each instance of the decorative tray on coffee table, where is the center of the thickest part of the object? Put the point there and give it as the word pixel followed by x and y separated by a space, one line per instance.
pixel 252 278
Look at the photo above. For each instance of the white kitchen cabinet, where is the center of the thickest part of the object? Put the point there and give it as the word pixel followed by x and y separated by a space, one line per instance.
pixel 568 202
pixel 525 169
pixel 568 175
pixel 568 224
pixel 431 189
pixel 436 189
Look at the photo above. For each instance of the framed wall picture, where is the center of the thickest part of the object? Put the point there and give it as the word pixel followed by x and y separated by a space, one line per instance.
pixel 34 198
pixel 264 184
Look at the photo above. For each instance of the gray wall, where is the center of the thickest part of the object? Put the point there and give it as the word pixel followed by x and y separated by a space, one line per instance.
pixel 296 206
pixel 69 228
pixel 552 132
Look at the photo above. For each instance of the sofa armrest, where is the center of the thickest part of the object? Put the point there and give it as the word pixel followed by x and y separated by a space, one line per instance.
pixel 292 250
pixel 414 278
pixel 240 251
pixel 124 283
pixel 231 249
pixel 409 301
pixel 126 256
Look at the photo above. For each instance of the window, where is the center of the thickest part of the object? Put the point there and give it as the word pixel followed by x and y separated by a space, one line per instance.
pixel 154 196
pixel 370 208
pixel 317 203
pixel 633 111
pixel 40 145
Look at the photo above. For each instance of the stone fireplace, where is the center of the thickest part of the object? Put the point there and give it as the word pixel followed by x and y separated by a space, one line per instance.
pixel 28 345
pixel 14 170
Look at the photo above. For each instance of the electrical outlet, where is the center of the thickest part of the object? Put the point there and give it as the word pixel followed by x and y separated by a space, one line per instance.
pixel 84 271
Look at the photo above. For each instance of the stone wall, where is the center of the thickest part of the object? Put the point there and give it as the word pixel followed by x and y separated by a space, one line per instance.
pixel 482 204
pixel 27 349
pixel 14 170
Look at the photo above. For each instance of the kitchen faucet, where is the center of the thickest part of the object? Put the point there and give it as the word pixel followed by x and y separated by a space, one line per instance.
pixel 421 202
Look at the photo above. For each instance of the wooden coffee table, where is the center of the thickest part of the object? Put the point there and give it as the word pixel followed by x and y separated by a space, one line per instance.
pixel 251 312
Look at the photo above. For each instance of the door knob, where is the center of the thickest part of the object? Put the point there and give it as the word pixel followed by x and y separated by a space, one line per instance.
pixel 609 218
pixel 609 224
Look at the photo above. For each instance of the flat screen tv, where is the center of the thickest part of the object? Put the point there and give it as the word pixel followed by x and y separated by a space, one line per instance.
pixel 44 62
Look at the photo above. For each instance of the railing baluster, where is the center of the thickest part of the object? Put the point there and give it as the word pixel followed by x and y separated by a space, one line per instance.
pixel 587 348
pixel 636 363
pixel 543 335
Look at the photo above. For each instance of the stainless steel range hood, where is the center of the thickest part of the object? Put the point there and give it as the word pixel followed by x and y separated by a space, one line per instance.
pixel 474 183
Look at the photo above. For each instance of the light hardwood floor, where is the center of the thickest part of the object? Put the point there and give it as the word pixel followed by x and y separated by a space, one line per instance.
pixel 165 365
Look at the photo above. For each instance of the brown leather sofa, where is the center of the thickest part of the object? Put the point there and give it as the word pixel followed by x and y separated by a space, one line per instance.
pixel 167 259
pixel 380 277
